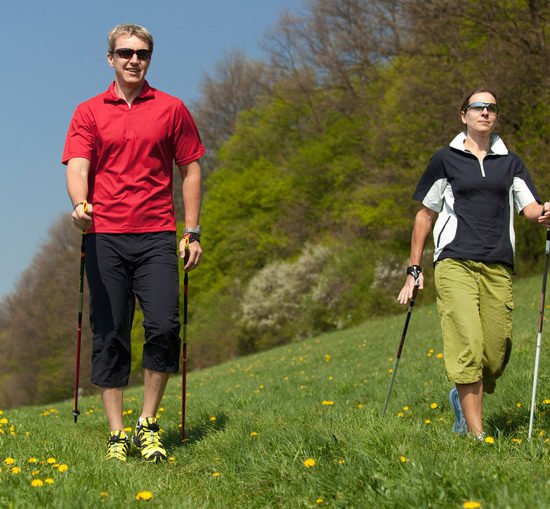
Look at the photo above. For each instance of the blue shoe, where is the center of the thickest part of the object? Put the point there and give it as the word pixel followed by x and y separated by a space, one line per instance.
pixel 459 425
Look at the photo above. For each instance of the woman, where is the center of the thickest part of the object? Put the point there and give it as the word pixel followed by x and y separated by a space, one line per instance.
pixel 472 186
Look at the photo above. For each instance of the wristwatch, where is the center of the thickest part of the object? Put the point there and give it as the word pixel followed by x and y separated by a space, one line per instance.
pixel 414 271
pixel 194 229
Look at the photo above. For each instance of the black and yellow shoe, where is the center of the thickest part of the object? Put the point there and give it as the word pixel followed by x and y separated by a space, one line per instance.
pixel 147 440
pixel 118 446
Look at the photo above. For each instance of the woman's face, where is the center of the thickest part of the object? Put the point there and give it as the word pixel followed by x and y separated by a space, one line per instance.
pixel 481 114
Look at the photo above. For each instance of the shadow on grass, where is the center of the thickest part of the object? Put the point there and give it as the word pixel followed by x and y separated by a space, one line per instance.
pixel 510 423
pixel 193 434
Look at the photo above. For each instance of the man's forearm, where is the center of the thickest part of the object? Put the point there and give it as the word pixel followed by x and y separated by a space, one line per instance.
pixel 192 193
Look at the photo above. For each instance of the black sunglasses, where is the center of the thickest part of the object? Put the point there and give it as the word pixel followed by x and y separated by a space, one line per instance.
pixel 127 53
pixel 479 107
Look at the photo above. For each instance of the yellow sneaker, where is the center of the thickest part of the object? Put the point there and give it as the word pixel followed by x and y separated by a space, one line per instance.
pixel 118 446
pixel 147 440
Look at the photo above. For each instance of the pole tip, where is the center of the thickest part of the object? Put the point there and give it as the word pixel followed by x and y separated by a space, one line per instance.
pixel 76 413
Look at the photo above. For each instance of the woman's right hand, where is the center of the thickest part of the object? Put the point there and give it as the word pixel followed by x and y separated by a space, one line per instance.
pixel 406 292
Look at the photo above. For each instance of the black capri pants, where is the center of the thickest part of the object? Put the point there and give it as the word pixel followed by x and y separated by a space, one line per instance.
pixel 119 268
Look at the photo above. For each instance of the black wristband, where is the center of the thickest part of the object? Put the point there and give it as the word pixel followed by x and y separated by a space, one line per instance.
pixel 193 237
pixel 414 271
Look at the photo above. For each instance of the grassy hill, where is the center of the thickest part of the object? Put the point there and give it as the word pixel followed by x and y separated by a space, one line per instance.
pixel 300 426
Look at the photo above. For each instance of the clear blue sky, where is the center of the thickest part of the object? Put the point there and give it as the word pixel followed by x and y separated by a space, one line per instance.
pixel 55 57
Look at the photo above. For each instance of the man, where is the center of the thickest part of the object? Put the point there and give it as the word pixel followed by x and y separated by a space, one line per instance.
pixel 119 151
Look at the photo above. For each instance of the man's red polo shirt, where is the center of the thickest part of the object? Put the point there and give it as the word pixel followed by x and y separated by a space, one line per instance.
pixel 131 152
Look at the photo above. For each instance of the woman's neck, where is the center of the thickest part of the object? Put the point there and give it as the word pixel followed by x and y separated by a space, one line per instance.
pixel 478 144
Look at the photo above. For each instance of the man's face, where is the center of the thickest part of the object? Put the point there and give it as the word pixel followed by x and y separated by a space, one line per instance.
pixel 130 70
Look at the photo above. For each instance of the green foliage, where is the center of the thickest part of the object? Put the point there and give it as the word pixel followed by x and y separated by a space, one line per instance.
pixel 331 136
pixel 253 423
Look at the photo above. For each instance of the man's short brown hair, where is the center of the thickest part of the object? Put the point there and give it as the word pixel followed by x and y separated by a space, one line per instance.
pixel 129 29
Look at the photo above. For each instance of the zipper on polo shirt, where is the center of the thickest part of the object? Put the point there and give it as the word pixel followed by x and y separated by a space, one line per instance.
pixel 481 167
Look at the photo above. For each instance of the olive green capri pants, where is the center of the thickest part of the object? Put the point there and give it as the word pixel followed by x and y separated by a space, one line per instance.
pixel 475 306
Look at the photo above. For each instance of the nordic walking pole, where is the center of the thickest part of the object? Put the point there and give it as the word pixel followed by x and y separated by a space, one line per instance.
pixel 539 333
pixel 416 275
pixel 76 413
pixel 184 342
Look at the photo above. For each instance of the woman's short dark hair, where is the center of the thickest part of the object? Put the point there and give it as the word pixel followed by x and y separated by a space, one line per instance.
pixel 478 90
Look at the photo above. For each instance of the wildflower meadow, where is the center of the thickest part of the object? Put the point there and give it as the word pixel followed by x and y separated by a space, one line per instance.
pixel 301 426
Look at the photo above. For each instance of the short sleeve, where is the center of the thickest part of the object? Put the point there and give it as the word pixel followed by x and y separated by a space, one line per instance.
pixel 80 136
pixel 187 142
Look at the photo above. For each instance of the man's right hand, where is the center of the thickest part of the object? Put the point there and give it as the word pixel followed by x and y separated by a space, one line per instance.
pixel 82 219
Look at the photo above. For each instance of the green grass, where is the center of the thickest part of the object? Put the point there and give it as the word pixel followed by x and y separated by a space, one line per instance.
pixel 254 421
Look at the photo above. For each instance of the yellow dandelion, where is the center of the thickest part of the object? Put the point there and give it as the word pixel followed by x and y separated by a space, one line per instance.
pixel 36 483
pixel 51 461
pixel 390 370
pixel 489 440
pixel 359 405
pixel 427 421
pixel 433 406
pixel 327 357
pixel 49 480
pixel 402 459
pixel 320 501
pixel 15 470
pixel 3 421
pixel 516 440
pixel 471 504
pixel 341 461
pixel 253 433
pixel 519 405
pixel 104 494
pixel 1 412
pixel 144 495
pixel 171 459
pixel 309 462
pixel 212 418
pixel 546 401
pixel 439 356
pixel 63 467
pixel 327 403
pixel 32 460
pixel 400 414
pixel 35 472
pixel 216 474
pixel 128 429
pixel 9 461
pixel 406 408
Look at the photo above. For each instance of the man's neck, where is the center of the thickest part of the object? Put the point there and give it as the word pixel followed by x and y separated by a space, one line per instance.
pixel 128 92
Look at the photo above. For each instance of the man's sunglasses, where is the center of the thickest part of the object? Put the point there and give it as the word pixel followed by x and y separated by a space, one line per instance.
pixel 127 53
pixel 479 107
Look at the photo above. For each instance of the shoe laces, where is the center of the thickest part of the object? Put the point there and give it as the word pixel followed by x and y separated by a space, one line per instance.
pixel 117 445
pixel 148 432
